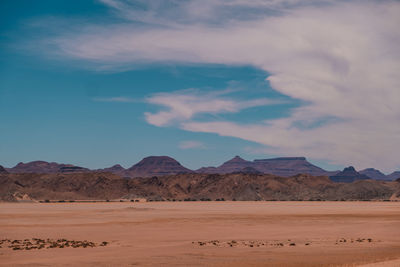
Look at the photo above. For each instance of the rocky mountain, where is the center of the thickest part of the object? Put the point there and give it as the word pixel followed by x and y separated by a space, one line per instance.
pixel 348 175
pixel 286 166
pixel 45 167
pixel 394 176
pixel 163 165
pixel 374 174
pixel 190 186
pixel 2 170
pixel 116 169
pixel 156 166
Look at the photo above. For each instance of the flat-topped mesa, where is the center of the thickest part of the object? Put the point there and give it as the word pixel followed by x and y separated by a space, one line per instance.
pixel 283 166
pixel 282 159
pixel 156 166
pixel 287 166
pixel 40 166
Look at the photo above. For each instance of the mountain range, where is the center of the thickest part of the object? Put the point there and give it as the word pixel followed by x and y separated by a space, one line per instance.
pixel 189 186
pixel 163 165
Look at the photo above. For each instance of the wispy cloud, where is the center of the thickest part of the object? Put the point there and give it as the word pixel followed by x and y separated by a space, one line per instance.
pixel 184 105
pixel 190 144
pixel 342 58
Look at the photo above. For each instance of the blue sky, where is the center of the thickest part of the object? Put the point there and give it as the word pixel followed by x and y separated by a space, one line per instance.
pixel 97 83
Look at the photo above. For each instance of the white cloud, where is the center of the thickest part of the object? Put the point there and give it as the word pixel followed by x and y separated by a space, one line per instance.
pixel 342 58
pixel 184 105
pixel 191 145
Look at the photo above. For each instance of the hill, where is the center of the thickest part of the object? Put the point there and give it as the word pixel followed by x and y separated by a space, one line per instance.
pixel 235 186
pixel 394 176
pixel 45 167
pixel 374 174
pixel 348 175
pixel 156 166
pixel 286 166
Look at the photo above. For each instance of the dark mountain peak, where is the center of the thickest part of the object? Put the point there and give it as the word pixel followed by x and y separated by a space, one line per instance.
pixel 236 159
pixel 348 175
pixel 2 170
pixel 156 166
pixel 117 167
pixel 156 160
pixel 234 165
pixel 349 169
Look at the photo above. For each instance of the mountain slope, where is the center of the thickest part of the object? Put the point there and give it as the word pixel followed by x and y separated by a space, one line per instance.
pixel 116 169
pixel 235 186
pixel 394 176
pixel 45 167
pixel 286 166
pixel 348 175
pixel 374 174
pixel 156 166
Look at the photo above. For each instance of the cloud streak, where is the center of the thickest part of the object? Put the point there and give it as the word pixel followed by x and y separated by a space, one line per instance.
pixel 186 104
pixel 342 58
pixel 190 144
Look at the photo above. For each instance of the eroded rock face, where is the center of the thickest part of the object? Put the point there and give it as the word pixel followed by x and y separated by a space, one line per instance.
pixel 156 166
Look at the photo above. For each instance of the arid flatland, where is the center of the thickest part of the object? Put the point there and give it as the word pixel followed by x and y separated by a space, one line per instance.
pixel 203 233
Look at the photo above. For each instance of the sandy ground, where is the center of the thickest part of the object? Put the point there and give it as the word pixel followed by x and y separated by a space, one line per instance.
pixel 206 233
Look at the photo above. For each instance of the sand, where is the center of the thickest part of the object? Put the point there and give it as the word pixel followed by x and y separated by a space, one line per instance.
pixel 205 233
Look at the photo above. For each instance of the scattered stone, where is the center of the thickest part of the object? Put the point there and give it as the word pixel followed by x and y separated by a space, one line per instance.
pixel 36 243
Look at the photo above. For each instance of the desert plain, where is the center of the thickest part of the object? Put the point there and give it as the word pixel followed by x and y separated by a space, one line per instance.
pixel 226 233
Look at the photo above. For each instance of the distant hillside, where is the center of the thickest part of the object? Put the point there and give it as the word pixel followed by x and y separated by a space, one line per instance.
pixel 163 165
pixel 236 186
pixel 348 175
pixel 116 169
pixel 45 167
pixel 156 166
pixel 374 174
pixel 286 166
pixel 394 176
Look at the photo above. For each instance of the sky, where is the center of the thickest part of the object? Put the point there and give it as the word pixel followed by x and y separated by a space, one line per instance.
pixel 100 82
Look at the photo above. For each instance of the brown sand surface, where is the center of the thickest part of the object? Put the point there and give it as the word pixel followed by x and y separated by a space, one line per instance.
pixel 205 233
